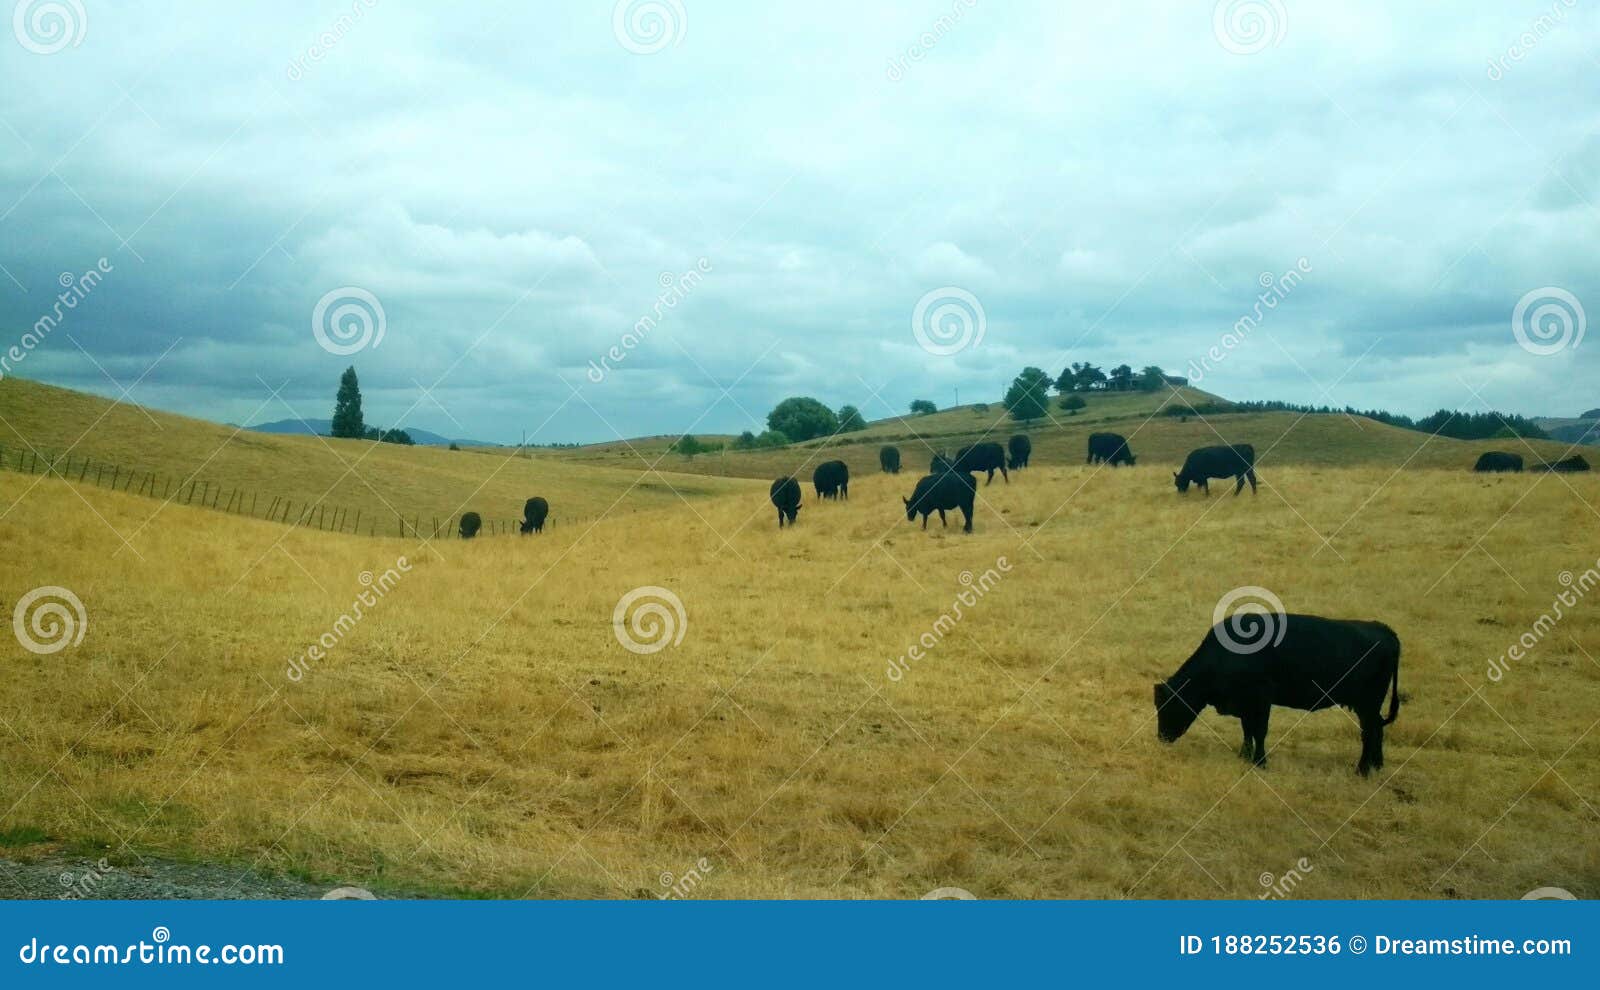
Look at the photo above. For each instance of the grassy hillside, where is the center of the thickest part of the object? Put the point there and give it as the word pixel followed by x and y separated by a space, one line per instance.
pixel 482 729
pixel 1160 441
pixel 311 478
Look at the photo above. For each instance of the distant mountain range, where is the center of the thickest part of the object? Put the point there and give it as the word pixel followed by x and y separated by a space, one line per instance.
pixel 323 427
pixel 1584 429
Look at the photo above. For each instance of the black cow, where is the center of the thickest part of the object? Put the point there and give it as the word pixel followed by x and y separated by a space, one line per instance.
pixel 1236 461
pixel 982 457
pixel 534 512
pixel 785 494
pixel 942 491
pixel 1498 461
pixel 889 460
pixel 470 524
pixel 832 479
pixel 1111 448
pixel 1567 465
pixel 1298 661
pixel 1021 449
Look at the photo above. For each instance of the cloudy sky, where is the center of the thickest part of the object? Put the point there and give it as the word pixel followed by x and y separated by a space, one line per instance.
pixel 813 197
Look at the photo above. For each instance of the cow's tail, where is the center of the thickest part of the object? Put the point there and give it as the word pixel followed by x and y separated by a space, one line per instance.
pixel 1394 687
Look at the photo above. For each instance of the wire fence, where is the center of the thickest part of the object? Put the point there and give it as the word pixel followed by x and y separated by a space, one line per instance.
pixel 237 500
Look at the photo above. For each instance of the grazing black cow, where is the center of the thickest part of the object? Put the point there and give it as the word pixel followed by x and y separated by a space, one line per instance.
pixel 1111 448
pixel 470 524
pixel 1567 465
pixel 1236 461
pixel 1021 449
pixel 1298 661
pixel 832 479
pixel 534 512
pixel 1498 461
pixel 785 494
pixel 942 491
pixel 981 457
pixel 889 460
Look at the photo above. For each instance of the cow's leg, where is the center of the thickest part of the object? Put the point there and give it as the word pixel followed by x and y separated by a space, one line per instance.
pixel 1371 742
pixel 967 512
pixel 925 516
pixel 1247 750
pixel 1255 732
pixel 1003 476
pixel 1251 474
pixel 1205 486
pixel 1240 486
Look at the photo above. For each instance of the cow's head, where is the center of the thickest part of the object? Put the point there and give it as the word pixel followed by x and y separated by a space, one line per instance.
pixel 911 514
pixel 1132 459
pixel 1174 712
pixel 792 512
pixel 1181 482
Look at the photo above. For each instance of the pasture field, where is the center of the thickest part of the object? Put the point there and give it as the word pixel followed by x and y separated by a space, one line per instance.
pixel 426 486
pixel 483 730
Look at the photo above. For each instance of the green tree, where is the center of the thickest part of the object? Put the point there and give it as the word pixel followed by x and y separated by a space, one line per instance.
pixel 347 421
pixel 746 441
pixel 802 418
pixel 1152 379
pixel 850 419
pixel 1029 395
pixel 1121 379
pixel 688 446
pixel 1072 403
pixel 921 407
pixel 1080 377
pixel 772 438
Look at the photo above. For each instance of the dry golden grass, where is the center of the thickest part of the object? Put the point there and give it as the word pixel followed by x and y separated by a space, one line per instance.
pixel 483 731
pixel 315 476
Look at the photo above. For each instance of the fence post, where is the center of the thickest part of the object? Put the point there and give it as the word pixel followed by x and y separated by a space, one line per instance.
pixel 83 470
pixel 115 473
pixel 357 527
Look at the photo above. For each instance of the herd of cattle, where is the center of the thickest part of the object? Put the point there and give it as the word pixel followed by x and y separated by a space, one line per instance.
pixel 1497 461
pixel 1307 662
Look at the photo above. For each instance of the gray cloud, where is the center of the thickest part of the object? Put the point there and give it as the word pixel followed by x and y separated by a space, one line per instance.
pixel 513 185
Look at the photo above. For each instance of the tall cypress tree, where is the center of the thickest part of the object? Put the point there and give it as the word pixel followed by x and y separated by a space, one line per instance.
pixel 347 421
